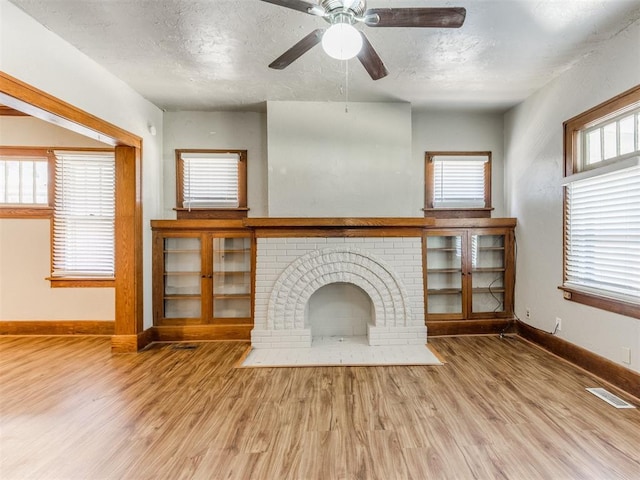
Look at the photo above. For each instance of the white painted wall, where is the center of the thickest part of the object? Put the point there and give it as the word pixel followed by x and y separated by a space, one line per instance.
pixel 325 162
pixel 533 159
pixel 218 130
pixel 33 132
pixel 35 55
pixel 461 131
pixel 25 246
pixel 25 294
pixel 309 177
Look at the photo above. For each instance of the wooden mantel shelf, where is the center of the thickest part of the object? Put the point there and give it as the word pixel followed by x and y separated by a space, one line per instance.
pixel 340 222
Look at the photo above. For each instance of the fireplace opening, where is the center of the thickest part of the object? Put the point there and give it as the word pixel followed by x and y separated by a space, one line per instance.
pixel 339 311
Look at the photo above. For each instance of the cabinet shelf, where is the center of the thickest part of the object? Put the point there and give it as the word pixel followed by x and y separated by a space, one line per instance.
pixel 490 249
pixel 488 269
pixel 182 251
pixel 179 274
pixel 444 270
pixel 234 250
pixel 185 296
pixel 235 296
pixel 488 290
pixel 232 272
pixel 444 291
pixel 442 249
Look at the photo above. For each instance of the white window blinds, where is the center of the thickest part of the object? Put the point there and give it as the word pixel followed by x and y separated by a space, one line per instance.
pixel 24 180
pixel 210 180
pixel 458 181
pixel 84 215
pixel 602 245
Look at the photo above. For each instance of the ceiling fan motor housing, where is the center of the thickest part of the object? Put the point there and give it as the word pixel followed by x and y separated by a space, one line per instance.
pixel 354 8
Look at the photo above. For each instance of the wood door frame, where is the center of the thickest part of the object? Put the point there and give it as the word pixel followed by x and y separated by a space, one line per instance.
pixel 129 335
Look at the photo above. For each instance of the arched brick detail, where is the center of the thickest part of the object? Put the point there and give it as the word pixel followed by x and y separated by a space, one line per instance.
pixel 308 273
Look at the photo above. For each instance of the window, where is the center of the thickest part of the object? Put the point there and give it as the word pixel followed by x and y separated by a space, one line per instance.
pixel 84 217
pixel 602 206
pixel 458 184
pixel 25 189
pixel 211 183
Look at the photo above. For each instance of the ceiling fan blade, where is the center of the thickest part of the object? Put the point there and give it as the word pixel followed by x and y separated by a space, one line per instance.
pixel 370 60
pixel 299 49
pixel 415 17
pixel 301 6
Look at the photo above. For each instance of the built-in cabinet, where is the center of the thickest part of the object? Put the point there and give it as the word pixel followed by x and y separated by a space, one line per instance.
pixel 202 276
pixel 469 273
pixel 203 272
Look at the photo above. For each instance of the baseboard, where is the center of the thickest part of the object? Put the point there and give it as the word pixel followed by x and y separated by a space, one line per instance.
pixel 469 327
pixel 611 372
pixel 202 332
pixel 145 338
pixel 57 327
pixel 132 343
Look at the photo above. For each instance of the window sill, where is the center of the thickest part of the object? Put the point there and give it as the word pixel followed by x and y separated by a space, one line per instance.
pixel 82 282
pixel 204 213
pixel 16 211
pixel 482 212
pixel 598 301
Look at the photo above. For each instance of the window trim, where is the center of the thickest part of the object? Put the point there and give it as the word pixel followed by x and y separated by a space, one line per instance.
pixel 31 211
pixel 440 212
pixel 76 281
pixel 609 109
pixel 203 213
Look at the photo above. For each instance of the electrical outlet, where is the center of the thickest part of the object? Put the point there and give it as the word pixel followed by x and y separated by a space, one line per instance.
pixel 558 324
pixel 626 355
pixel 528 312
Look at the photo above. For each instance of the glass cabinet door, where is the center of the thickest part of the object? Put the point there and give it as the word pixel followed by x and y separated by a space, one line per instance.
pixel 182 274
pixel 444 274
pixel 487 254
pixel 232 277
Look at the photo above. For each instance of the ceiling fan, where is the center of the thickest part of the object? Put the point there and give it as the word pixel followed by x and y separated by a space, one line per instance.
pixel 343 14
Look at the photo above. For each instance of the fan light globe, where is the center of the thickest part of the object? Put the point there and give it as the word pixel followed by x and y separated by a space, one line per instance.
pixel 342 41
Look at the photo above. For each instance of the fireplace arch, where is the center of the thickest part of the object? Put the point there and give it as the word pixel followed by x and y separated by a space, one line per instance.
pixel 319 268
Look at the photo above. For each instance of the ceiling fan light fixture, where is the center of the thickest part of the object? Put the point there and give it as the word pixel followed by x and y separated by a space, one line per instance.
pixel 342 41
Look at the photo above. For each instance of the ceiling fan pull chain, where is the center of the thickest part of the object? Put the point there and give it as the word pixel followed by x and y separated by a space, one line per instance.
pixel 346 82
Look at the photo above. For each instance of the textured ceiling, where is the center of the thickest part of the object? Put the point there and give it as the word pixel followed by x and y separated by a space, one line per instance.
pixel 213 54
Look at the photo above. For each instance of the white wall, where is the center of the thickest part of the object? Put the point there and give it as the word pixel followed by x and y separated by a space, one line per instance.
pixel 25 246
pixel 218 130
pixel 325 162
pixel 461 131
pixel 35 55
pixel 25 256
pixel 33 132
pixel 533 159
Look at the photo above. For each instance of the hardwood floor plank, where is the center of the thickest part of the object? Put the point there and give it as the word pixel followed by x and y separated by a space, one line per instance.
pixel 499 408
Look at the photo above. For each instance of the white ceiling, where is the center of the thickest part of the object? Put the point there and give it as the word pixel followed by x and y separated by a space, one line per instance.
pixel 213 54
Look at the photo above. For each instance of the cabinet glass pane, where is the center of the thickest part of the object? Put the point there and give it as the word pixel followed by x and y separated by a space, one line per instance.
pixel 182 255
pixel 232 277
pixel 444 274
pixel 488 273
pixel 232 307
pixel 182 277
pixel 182 307
pixel 178 283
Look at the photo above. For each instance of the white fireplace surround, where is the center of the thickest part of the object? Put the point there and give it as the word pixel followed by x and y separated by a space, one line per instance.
pixel 290 270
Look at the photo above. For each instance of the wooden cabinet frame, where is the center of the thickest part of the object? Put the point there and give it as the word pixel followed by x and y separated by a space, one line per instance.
pixel 207 325
pixel 467 272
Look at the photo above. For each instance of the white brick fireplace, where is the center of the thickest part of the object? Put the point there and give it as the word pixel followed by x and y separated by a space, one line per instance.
pixel 289 270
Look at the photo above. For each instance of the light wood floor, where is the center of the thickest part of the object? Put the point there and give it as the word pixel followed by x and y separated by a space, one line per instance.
pixel 500 408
